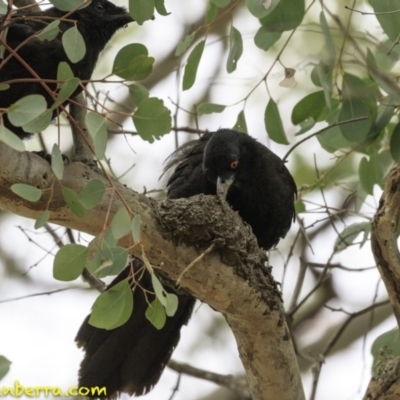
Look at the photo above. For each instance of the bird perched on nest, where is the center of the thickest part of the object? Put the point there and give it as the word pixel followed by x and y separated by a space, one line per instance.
pixel 36 61
pixel 131 358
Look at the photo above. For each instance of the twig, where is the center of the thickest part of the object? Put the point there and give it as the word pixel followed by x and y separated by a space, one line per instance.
pixel 320 131
pixel 38 294
pixel 237 384
pixel 196 260
pixel 317 367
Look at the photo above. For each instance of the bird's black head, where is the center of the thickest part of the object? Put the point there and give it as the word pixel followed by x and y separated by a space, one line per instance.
pixel 100 20
pixel 225 155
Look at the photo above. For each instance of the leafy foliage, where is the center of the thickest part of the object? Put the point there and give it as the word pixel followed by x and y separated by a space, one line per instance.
pixel 346 79
pixel 113 307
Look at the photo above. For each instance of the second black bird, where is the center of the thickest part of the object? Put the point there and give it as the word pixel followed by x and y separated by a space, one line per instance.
pixel 131 358
pixel 97 23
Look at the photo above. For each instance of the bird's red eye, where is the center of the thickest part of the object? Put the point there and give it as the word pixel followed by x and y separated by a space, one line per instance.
pixel 234 164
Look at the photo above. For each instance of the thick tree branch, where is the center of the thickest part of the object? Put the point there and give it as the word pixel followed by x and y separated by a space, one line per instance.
pixel 232 278
pixel 386 252
pixel 384 239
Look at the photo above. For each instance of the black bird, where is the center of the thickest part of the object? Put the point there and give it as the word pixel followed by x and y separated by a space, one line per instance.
pixel 132 357
pixel 97 23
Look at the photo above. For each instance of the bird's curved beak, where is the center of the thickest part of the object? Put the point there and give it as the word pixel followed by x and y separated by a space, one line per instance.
pixel 223 185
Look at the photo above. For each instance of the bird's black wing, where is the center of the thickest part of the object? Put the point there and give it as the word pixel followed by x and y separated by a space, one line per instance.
pixel 188 178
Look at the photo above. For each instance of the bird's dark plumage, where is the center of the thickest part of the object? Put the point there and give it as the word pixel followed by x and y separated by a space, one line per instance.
pixel 97 23
pixel 263 191
pixel 132 357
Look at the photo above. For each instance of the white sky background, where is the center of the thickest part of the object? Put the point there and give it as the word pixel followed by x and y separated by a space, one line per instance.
pixel 37 334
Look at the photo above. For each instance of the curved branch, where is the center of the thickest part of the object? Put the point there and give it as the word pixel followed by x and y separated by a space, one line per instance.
pixel 386 253
pixel 384 238
pixel 232 278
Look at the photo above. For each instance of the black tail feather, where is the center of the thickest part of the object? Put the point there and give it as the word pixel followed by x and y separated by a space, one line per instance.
pixel 132 357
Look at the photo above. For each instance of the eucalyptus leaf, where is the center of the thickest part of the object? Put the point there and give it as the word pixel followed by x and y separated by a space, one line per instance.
pixel 27 192
pixel 69 262
pixel 74 44
pixel 273 123
pixel 189 76
pixel 113 307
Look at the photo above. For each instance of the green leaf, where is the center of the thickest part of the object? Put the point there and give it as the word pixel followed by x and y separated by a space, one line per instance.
pixel 311 106
pixel 27 192
pixel 220 3
pixel 11 139
pixel 358 101
pixel 141 10
pixel 26 109
pixel 140 68
pixel 121 223
pixel 50 32
pixel 4 87
pixel 66 90
pixel 385 82
pixel 211 14
pixel 395 143
pixel 152 119
pixel 125 65
pixel 97 128
pixel 390 341
pixel 4 365
pixel 74 44
pixel 299 207
pixel 262 8
pixel 68 5
pixel 158 289
pixel 73 203
pixel 354 131
pixel 94 261
pixel 92 194
pixel 155 313
pixel 384 117
pixel 273 123
pixel 192 65
pixel 69 262
pixel 386 55
pixel 287 15
pixel 330 49
pixel 240 124
pixel 235 49
pixel 332 139
pixel 350 233
pixel 138 93
pixel 64 73
pixel 40 123
pixel 305 126
pixel 184 44
pixel 171 304
pixel 57 162
pixel 113 307
pixel 160 7
pixel 135 228
pixel 370 172
pixel 107 240
pixel 388 16
pixel 42 220
pixel 113 261
pixel 264 39
pixel 321 76
pixel 209 108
